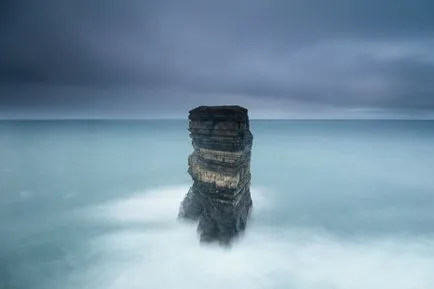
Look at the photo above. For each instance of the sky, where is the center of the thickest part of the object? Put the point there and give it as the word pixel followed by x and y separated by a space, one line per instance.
pixel 160 58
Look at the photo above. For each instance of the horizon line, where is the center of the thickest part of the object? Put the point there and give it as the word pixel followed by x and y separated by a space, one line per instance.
pixel 186 119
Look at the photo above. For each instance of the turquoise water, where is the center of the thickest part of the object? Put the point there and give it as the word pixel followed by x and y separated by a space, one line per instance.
pixel 337 204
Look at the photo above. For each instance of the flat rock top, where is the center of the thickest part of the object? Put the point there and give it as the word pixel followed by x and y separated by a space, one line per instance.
pixel 219 112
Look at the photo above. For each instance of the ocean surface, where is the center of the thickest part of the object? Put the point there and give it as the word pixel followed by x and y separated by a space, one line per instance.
pixel 337 205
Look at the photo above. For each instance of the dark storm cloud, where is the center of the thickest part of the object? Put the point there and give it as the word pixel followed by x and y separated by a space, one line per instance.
pixel 343 54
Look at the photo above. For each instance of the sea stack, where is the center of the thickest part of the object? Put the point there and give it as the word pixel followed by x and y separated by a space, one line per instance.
pixel 220 168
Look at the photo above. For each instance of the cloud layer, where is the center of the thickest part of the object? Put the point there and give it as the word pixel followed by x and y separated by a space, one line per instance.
pixel 304 56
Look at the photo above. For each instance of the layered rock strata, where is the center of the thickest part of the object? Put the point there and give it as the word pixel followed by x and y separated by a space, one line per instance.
pixel 220 168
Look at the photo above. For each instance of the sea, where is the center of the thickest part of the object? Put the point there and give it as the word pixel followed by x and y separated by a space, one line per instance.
pixel 337 204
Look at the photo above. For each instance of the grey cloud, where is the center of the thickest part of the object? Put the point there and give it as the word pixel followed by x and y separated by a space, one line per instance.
pixel 350 54
pixel 331 74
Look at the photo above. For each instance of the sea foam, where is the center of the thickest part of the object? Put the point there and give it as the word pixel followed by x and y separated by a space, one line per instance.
pixel 168 254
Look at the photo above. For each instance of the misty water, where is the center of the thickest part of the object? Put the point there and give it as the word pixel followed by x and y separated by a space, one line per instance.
pixel 337 204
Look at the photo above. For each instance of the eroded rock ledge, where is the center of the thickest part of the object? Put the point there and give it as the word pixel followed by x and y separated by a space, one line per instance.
pixel 220 168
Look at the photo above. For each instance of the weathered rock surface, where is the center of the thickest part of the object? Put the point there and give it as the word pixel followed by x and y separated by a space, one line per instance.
pixel 220 168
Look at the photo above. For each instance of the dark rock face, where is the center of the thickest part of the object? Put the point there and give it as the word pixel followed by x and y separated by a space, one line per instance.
pixel 220 168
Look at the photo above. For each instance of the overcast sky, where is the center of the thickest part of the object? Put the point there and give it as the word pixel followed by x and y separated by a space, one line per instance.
pixel 280 59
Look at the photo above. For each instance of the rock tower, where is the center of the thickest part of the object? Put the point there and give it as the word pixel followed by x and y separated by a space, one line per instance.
pixel 220 168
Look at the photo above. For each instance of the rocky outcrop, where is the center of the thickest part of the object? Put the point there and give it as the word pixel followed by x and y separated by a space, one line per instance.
pixel 220 168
